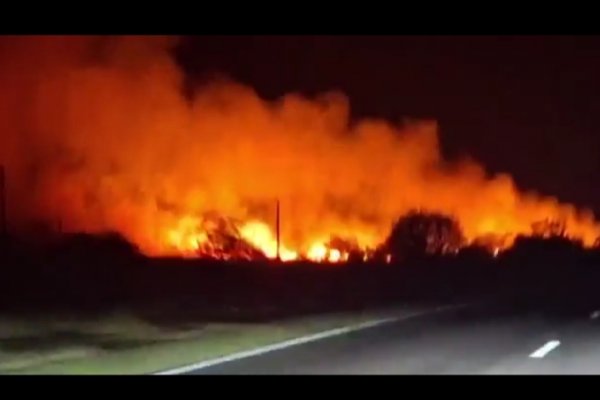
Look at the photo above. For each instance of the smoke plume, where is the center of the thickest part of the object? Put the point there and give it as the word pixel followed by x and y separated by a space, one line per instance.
pixel 96 135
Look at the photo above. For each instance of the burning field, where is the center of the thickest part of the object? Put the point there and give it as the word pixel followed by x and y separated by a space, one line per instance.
pixel 97 135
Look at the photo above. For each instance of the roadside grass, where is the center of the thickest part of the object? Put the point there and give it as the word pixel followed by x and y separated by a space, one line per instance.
pixel 124 344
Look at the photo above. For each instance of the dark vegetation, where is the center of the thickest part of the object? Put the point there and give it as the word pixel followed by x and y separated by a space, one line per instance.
pixel 88 274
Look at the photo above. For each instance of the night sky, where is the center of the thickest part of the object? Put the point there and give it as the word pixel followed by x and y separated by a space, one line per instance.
pixel 527 105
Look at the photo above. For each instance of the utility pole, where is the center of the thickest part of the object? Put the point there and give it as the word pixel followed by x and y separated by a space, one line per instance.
pixel 277 218
pixel 3 228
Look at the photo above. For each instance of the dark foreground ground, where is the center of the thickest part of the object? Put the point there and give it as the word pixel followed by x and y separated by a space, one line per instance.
pixel 540 292
pixel 87 275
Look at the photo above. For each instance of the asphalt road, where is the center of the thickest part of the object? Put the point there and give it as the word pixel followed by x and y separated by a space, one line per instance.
pixel 498 338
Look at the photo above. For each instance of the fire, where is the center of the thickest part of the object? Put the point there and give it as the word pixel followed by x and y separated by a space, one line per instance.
pixel 335 256
pixel 259 234
pixel 185 238
pixel 189 237
pixel 319 252
pixel 98 134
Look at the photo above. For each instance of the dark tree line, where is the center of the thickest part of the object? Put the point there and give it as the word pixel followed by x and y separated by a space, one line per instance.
pixel 418 234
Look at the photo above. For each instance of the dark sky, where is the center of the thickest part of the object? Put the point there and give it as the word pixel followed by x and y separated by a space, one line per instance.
pixel 526 105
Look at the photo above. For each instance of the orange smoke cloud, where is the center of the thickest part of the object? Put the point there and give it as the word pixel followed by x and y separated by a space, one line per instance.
pixel 97 134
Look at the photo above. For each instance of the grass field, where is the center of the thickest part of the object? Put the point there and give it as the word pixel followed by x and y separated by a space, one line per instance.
pixel 124 344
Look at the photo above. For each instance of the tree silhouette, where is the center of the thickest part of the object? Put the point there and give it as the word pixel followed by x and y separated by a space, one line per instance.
pixel 224 240
pixel 418 234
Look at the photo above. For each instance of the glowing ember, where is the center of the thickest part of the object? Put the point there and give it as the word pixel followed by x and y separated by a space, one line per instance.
pixel 317 252
pixel 335 255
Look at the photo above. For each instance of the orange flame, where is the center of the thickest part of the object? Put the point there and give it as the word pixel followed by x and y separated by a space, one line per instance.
pixel 259 235
pixel 96 133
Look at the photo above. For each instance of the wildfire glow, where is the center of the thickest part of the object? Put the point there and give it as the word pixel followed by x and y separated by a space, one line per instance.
pixel 97 133
pixel 185 238
pixel 259 234
pixel 321 253
pixel 317 252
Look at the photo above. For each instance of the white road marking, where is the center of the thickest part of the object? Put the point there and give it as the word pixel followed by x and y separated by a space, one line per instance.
pixel 595 314
pixel 545 349
pixel 301 340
